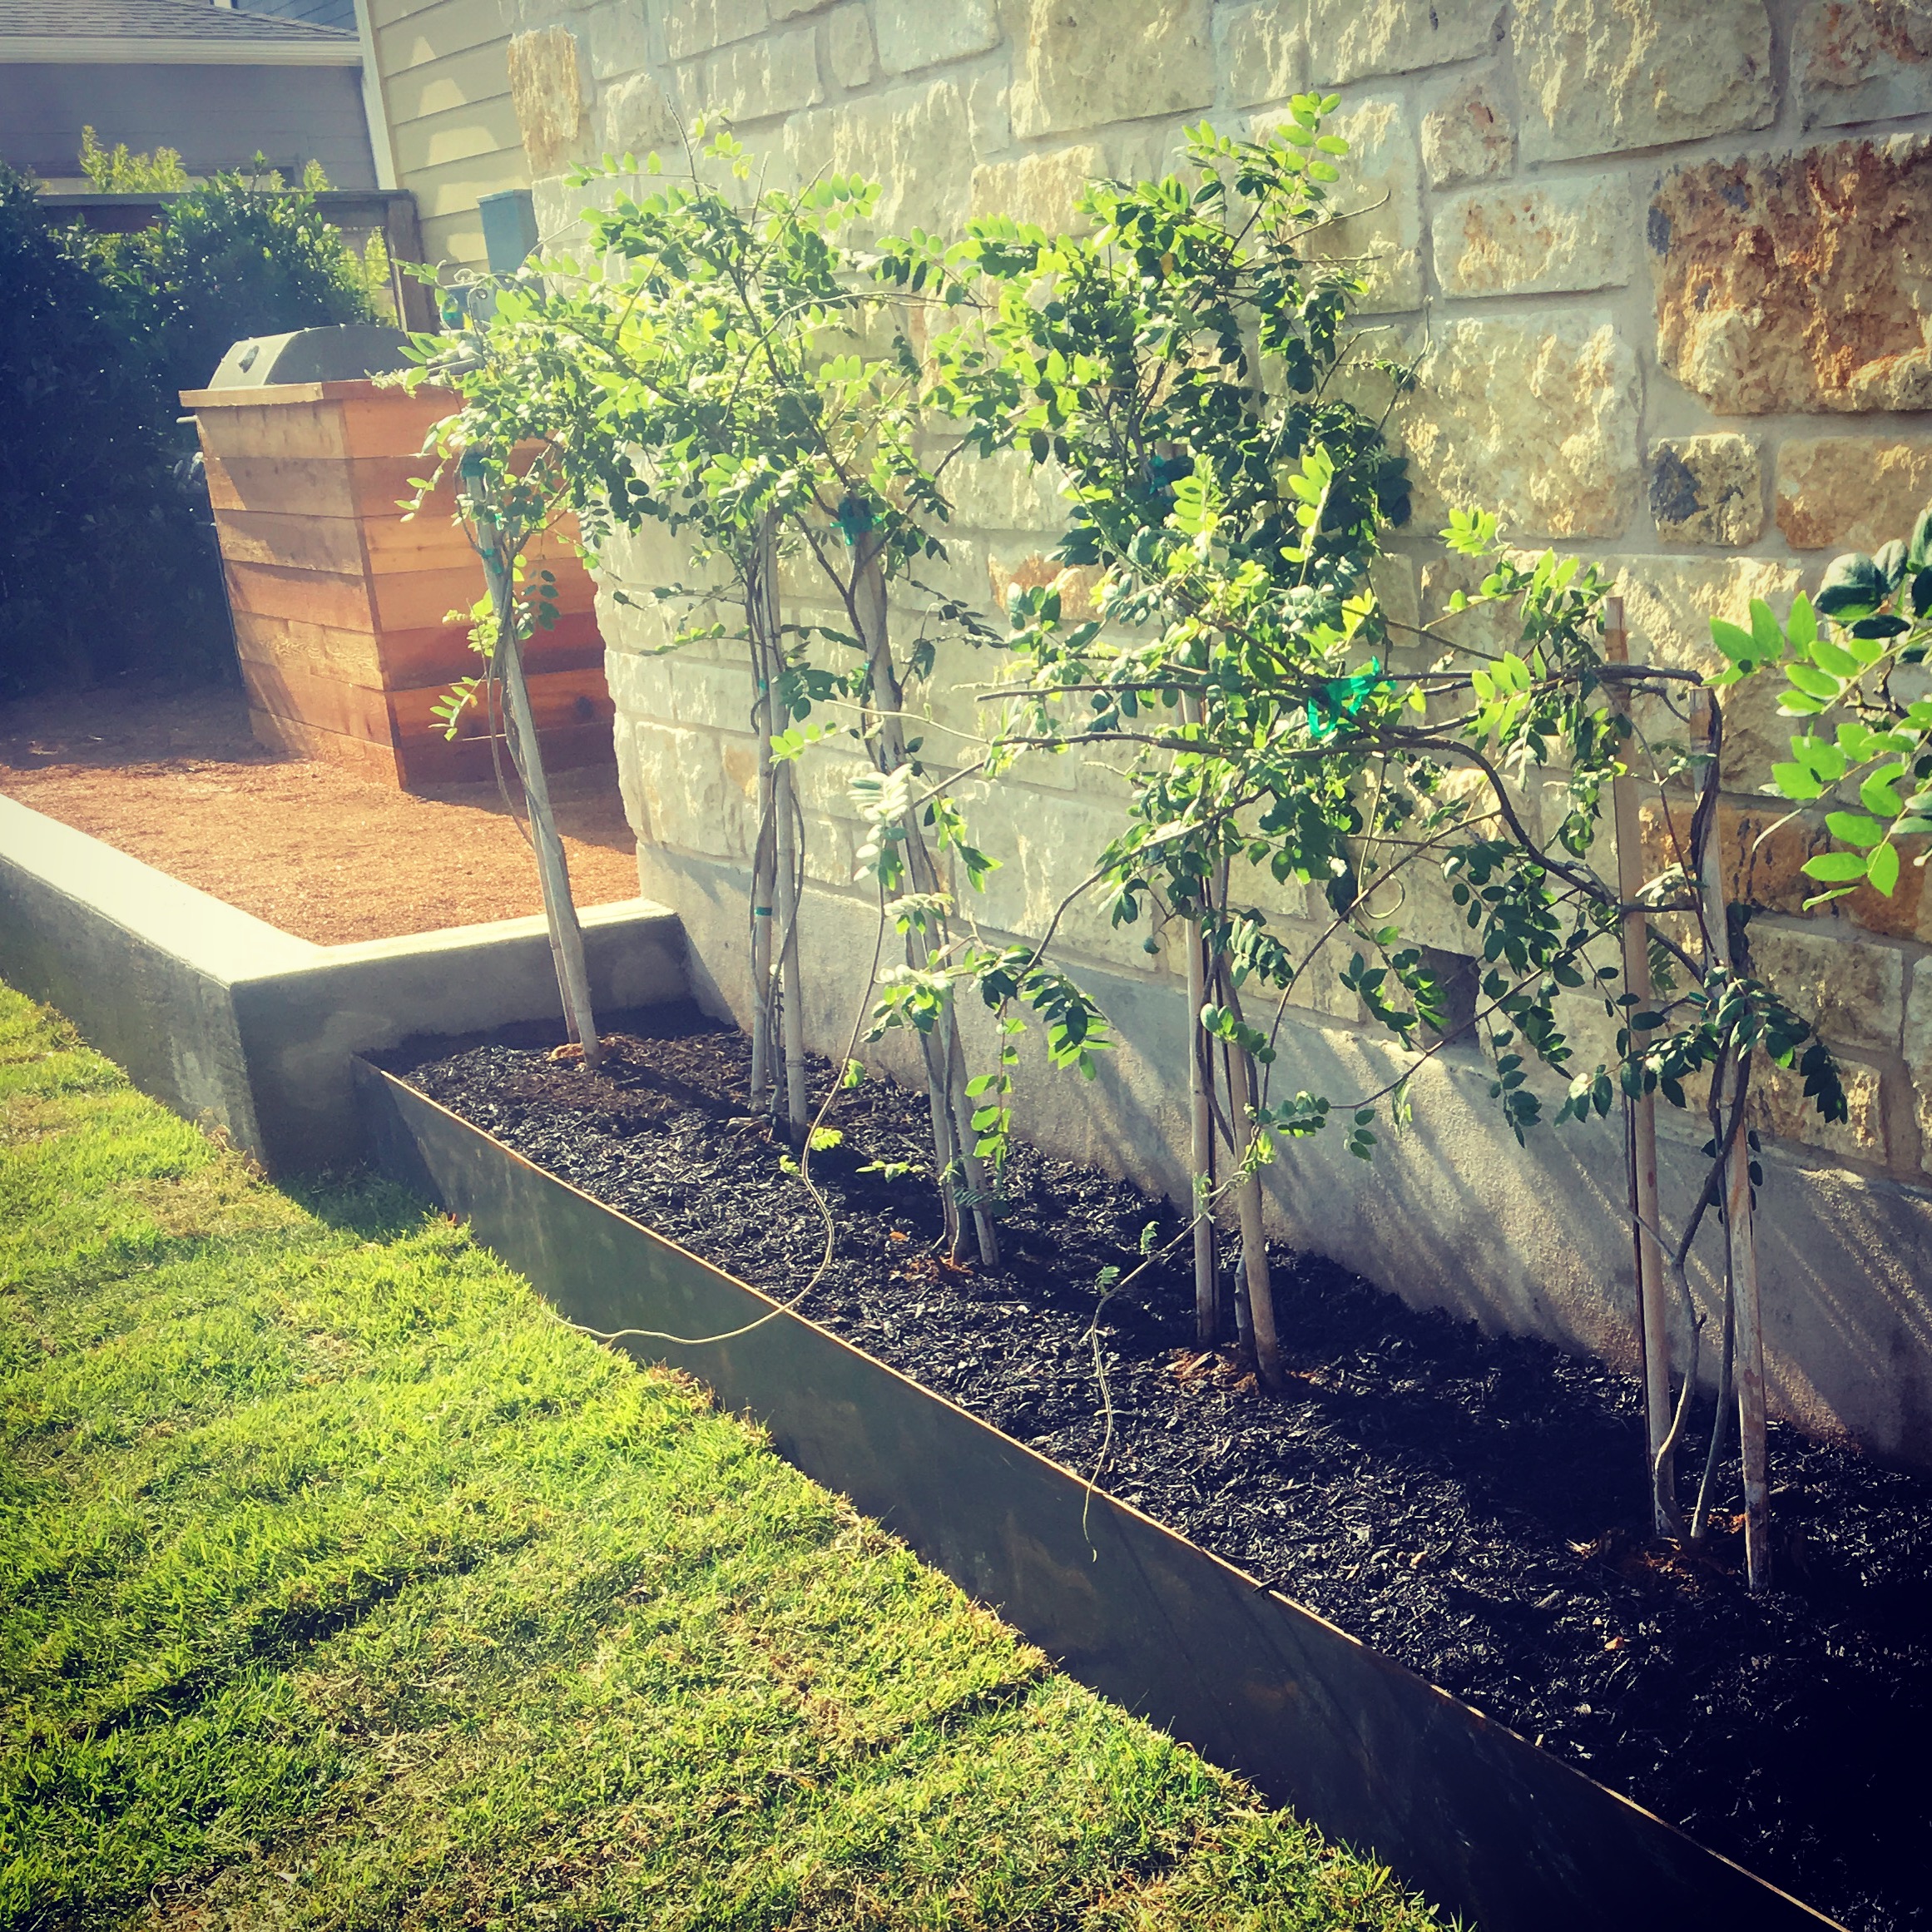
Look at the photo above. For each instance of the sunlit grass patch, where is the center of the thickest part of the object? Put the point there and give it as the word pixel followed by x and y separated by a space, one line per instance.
pixel 339 1586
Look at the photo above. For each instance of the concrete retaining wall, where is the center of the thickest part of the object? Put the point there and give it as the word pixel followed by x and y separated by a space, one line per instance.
pixel 227 1019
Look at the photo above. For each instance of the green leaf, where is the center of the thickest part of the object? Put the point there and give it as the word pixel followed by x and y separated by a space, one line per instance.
pixel 1881 870
pixel 1814 682
pixel 1830 658
pixel 1795 783
pixel 1852 588
pixel 1854 828
pixel 1837 868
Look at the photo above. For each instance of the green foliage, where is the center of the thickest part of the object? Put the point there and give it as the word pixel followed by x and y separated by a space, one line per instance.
pixel 105 571
pixel 338 1580
pixel 241 255
pixel 1853 664
pixel 114 170
pixel 1187 363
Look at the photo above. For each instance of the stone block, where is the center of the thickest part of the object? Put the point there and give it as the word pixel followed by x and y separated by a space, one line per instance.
pixel 1005 491
pixel 1536 419
pixel 849 46
pixel 1787 285
pixel 756 80
pixel 1669 602
pixel 1919 1054
pixel 1847 493
pixel 1778 1107
pixel 619 41
pixel 687 796
pixel 1467 132
pixel 1707 490
pixel 696 27
pixel 639 686
pixel 1852 991
pixel 1041 189
pixel 1078 587
pixel 637 119
pixel 913 141
pixel 988 110
pixel 915 33
pixel 550 92
pixel 1264 52
pixel 1535 239
pixel 711 697
pixel 1862 60
pixel 1352 40
pixel 1381 176
pixel 1083 63
pixel 1601 76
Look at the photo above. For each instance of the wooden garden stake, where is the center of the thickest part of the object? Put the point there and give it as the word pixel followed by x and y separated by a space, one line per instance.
pixel 1248 1200
pixel 1653 1329
pixel 553 872
pixel 1739 1232
pixel 1201 1098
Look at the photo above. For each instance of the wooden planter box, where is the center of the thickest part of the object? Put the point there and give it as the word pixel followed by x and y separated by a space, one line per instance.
pixel 342 608
pixel 1462 1808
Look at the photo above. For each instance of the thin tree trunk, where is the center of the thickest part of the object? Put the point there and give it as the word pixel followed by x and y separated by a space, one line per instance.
pixel 552 871
pixel 765 851
pixel 1248 1201
pixel 1653 1317
pixel 944 1055
pixel 1739 1230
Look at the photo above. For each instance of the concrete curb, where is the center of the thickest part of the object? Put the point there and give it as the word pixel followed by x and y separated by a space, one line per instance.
pixel 223 1017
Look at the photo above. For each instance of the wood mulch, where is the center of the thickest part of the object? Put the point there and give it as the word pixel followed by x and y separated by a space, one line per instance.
pixel 173 776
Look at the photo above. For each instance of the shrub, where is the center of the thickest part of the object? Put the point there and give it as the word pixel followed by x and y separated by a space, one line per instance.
pixel 240 256
pixel 105 569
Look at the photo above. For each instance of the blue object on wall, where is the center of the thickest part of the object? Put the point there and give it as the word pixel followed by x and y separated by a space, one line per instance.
pixel 510 226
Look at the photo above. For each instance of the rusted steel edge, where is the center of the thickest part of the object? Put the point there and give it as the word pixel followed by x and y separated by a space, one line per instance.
pixel 1462 1809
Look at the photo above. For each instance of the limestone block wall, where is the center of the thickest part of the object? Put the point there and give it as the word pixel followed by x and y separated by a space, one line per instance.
pixel 1666 265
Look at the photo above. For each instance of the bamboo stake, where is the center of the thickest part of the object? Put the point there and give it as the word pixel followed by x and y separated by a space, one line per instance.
pixel 1201 1151
pixel 1652 1316
pixel 552 871
pixel 1739 1229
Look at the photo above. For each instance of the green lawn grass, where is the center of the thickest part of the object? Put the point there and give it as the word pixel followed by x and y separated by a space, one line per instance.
pixel 340 1585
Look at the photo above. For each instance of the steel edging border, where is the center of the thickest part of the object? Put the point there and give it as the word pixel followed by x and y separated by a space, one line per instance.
pixel 1462 1808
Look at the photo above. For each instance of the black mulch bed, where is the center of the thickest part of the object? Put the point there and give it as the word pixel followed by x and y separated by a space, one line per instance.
pixel 1470 1505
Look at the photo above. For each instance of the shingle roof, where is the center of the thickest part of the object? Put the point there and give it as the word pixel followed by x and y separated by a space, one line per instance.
pixel 152 20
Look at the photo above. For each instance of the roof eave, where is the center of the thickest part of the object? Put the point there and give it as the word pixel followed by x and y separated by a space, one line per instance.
pixel 131 49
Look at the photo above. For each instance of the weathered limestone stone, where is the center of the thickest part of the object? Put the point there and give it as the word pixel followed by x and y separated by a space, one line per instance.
pixel 1598 77
pixel 1862 60
pixel 1799 283
pixel 711 697
pixel 619 41
pixel 1077 586
pixel 1778 1106
pixel 1264 53
pixel 849 46
pixel 791 9
pixel 1007 492
pixel 1707 490
pixel 914 142
pixel 1081 63
pixel 550 93
pixel 1537 419
pixel 1039 188
pixel 757 79
pixel 918 33
pixel 1349 40
pixel 1467 132
pixel 1919 1054
pixel 1535 239
pixel 1853 992
pixel 637 118
pixel 1381 174
pixel 988 112
pixel 687 794
pixel 1845 492
pixel 696 27
pixel 1669 602
pixel 639 686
